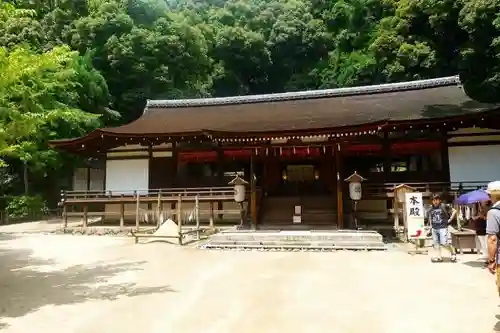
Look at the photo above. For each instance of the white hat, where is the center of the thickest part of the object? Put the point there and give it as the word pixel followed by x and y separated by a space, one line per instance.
pixel 494 187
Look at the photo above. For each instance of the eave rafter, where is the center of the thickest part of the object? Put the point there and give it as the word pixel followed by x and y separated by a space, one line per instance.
pixel 100 141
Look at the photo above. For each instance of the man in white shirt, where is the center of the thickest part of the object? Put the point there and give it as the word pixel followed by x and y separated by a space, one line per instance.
pixel 493 230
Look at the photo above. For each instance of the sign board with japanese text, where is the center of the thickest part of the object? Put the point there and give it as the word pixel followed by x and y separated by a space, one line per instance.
pixel 414 215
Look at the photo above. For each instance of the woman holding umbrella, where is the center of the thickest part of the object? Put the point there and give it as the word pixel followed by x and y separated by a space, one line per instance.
pixel 479 225
pixel 482 200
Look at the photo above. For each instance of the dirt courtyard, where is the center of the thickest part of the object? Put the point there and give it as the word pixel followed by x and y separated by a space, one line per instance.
pixel 88 284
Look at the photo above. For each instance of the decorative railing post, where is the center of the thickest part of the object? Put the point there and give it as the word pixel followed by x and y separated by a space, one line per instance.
pixel 197 216
pixel 158 209
pixel 122 212
pixel 179 218
pixel 137 208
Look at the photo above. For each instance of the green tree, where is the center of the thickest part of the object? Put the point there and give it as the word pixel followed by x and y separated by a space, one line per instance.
pixel 480 55
pixel 165 58
pixel 40 96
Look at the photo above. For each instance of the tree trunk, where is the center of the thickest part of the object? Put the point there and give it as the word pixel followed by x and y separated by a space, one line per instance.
pixel 25 178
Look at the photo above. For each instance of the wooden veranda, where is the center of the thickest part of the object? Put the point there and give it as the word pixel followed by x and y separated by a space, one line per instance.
pixel 177 202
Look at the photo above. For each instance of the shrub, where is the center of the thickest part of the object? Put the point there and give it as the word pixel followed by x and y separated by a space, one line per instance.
pixel 26 206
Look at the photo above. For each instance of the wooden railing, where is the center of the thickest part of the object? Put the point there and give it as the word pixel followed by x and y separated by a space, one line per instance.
pixel 446 188
pixel 87 200
pixel 225 193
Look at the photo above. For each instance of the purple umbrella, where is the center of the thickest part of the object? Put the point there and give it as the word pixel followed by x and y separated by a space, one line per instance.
pixel 473 197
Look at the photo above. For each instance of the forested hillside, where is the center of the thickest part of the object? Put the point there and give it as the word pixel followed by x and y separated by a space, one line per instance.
pixel 68 66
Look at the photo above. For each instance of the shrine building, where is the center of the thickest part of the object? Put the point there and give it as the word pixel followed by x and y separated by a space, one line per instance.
pixel 298 148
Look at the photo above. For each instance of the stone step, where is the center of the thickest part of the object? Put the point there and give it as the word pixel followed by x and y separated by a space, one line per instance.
pixel 318 211
pixel 266 243
pixel 300 240
pixel 294 245
pixel 290 212
pixel 300 236
pixel 239 247
pixel 319 215
pixel 328 227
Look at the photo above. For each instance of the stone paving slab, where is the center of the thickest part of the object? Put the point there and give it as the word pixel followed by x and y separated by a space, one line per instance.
pixel 43 226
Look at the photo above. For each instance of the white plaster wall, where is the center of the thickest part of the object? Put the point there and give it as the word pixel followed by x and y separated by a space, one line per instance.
pixel 126 176
pixel 474 163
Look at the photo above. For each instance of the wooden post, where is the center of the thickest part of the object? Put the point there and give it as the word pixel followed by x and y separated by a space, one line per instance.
pixel 65 209
pixel 386 151
pixel 212 216
pixel 158 209
pixel 88 180
pixel 122 215
pixel 122 212
pixel 405 221
pixel 197 216
pixel 340 199
pixel 179 218
pixel 85 216
pixel 445 158
pixel 65 215
pixel 387 166
pixel 253 194
pixel 395 209
pixel 137 207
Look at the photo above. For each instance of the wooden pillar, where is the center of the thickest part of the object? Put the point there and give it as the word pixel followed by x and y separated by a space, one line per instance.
pixel 122 215
pixel 179 218
pixel 395 214
pixel 253 193
pixel 175 157
pixel 220 178
pixel 386 151
pixel 212 216
pixel 387 165
pixel 340 184
pixel 445 158
pixel 266 151
pixel 197 216
pixel 158 209
pixel 137 207
pixel 88 179
pixel 329 176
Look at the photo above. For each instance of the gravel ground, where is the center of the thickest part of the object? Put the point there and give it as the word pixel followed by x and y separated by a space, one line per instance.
pixel 89 284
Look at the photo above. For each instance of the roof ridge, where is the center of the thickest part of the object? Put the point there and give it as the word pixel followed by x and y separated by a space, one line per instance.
pixel 308 94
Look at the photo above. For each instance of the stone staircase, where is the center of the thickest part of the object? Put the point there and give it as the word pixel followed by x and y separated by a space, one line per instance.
pixel 278 210
pixel 296 240
pixel 316 211
pixel 319 211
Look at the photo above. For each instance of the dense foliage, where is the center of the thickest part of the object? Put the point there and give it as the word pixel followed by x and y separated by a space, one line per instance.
pixel 67 64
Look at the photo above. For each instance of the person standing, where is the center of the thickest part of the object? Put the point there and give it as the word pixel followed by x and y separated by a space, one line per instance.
pixel 479 223
pixel 440 216
pixel 493 230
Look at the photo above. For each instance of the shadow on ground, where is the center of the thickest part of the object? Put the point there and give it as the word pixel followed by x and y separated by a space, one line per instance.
pixel 25 287
pixel 167 241
pixel 496 328
pixel 475 263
